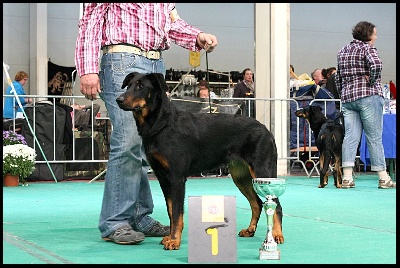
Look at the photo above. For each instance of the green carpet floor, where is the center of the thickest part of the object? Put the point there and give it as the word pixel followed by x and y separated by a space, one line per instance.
pixel 53 223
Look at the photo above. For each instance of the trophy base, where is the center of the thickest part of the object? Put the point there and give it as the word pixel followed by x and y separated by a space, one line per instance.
pixel 270 254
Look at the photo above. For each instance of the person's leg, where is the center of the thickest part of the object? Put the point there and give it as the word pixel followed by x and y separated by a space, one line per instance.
pixel 352 136
pixel 371 112
pixel 372 119
pixel 127 196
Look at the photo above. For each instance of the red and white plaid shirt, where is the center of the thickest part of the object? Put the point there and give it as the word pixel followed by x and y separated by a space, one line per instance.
pixel 149 26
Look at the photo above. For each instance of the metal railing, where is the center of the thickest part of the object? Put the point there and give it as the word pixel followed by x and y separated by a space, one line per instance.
pixel 56 125
pixel 274 113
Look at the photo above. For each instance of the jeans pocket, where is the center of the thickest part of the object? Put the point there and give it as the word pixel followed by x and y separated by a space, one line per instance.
pixel 118 63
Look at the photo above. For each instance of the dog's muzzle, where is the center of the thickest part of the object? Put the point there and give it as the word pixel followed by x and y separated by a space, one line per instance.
pixel 121 103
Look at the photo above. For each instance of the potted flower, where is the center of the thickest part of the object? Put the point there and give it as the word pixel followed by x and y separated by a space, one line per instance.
pixel 18 158
pixel 11 137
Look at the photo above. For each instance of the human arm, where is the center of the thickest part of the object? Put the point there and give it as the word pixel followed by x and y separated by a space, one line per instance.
pixel 88 42
pixel 190 37
pixel 87 50
pixel 237 91
pixel 88 46
pixel 374 65
pixel 20 93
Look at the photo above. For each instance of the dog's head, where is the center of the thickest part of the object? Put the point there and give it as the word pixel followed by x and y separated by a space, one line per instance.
pixel 59 76
pixel 144 92
pixel 307 111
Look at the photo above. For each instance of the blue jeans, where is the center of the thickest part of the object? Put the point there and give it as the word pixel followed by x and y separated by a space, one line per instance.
pixel 365 113
pixel 127 196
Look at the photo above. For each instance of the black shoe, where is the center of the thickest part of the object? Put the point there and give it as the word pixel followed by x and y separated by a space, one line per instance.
pixel 157 230
pixel 125 235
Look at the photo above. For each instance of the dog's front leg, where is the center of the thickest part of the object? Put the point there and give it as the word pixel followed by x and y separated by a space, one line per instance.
pixel 277 227
pixel 175 203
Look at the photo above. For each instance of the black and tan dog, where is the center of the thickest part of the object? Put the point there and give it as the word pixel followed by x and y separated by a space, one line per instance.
pixel 328 136
pixel 181 144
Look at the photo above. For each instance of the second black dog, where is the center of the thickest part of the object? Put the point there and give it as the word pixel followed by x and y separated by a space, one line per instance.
pixel 328 136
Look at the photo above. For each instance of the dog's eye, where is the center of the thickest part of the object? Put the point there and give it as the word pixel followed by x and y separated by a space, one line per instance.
pixel 139 85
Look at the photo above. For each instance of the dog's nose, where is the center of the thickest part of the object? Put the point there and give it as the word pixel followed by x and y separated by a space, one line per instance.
pixel 120 100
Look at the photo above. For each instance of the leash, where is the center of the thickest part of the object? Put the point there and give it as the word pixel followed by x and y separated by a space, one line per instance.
pixel 180 82
pixel 208 82
pixel 207 78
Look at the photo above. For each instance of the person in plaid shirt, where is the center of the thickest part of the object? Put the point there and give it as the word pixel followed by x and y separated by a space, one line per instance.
pixel 358 79
pixel 132 38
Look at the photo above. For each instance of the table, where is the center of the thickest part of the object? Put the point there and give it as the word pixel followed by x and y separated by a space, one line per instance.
pixel 388 140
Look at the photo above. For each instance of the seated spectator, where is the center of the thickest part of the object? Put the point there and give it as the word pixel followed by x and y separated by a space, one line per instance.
pixel 295 82
pixel 318 78
pixel 329 74
pixel 82 115
pixel 203 91
pixel 332 108
pixel 326 73
pixel 11 108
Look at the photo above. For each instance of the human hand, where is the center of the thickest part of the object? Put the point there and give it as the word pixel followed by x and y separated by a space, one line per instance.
pixel 207 41
pixel 76 106
pixel 90 86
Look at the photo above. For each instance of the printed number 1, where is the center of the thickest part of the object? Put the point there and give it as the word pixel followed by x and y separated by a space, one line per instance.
pixel 214 240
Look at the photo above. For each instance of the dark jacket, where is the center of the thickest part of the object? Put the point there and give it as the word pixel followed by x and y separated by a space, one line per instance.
pixel 240 91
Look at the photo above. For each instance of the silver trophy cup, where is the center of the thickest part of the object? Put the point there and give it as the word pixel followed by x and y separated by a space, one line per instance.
pixel 269 188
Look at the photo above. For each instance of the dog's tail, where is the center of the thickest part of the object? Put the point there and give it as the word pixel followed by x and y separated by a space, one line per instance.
pixel 326 162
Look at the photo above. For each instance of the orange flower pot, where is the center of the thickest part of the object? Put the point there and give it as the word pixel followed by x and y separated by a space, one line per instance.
pixel 10 180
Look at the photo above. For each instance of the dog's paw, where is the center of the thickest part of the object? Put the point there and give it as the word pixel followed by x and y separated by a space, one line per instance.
pixel 322 185
pixel 170 244
pixel 246 233
pixel 338 183
pixel 278 237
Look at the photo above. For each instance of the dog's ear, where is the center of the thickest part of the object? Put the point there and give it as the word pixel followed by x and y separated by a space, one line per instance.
pixel 128 79
pixel 158 81
pixel 315 108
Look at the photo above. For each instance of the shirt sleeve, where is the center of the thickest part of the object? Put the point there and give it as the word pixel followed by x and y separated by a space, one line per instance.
pixel 375 65
pixel 88 43
pixel 182 33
